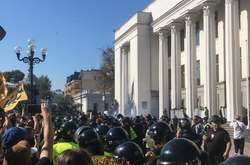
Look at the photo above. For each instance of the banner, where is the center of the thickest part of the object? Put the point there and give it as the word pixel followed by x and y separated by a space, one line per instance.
pixel 3 88
pixel 14 98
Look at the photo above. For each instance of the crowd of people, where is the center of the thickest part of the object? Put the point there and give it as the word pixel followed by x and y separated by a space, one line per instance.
pixel 97 139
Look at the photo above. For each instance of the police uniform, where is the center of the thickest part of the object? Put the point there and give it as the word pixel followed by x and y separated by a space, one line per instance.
pixel 58 148
pixel 216 143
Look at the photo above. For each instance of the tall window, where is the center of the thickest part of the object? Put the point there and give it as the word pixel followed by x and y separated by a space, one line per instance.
pixel 169 45
pixel 183 76
pixel 216 24
pixel 197 32
pixel 182 39
pixel 95 107
pixel 198 76
pixel 217 68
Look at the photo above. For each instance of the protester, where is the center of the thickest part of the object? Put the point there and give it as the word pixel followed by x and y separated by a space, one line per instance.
pixel 238 137
pixel 197 125
pixel 74 157
pixel 17 143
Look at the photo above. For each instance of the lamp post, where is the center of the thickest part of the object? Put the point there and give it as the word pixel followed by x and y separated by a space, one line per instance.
pixel 31 60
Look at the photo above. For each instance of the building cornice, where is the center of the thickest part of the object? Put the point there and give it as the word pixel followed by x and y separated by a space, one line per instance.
pixel 180 10
pixel 128 32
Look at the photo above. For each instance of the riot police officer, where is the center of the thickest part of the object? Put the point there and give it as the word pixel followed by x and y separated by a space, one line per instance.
pixel 90 141
pixel 185 131
pixel 114 137
pixel 79 131
pixel 65 139
pixel 157 135
pixel 127 125
pixel 102 131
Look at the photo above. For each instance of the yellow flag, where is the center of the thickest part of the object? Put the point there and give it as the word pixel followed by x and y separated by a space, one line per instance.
pixel 3 89
pixel 14 98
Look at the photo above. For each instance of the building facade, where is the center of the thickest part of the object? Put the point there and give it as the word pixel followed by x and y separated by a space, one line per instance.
pixel 93 101
pixel 83 88
pixel 184 54
pixel 82 81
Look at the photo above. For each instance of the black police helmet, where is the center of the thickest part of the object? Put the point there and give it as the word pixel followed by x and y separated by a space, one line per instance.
pixel 238 160
pixel 160 132
pixel 215 119
pixel 180 151
pixel 131 152
pixel 102 130
pixel 184 123
pixel 67 130
pixel 79 131
pixel 114 137
pixel 88 137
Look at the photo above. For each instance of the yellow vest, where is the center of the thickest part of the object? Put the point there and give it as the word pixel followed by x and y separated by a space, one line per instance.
pixel 58 148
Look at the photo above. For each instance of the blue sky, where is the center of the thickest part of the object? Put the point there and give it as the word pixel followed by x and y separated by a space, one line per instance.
pixel 72 30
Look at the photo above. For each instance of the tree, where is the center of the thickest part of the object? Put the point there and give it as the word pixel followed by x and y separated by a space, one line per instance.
pixel 106 80
pixel 14 76
pixel 64 103
pixel 44 86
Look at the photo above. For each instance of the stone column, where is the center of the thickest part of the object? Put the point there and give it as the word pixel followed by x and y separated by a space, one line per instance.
pixel 210 89
pixel 124 100
pixel 232 55
pixel 190 79
pixel 163 73
pixel 248 83
pixel 175 66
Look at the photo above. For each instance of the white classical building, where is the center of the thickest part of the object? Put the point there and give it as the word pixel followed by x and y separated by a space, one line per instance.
pixel 184 53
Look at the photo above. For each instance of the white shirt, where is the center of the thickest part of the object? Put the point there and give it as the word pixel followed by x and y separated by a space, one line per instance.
pixel 239 129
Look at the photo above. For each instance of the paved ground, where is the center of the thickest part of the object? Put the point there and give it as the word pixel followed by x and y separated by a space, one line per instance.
pixel 246 151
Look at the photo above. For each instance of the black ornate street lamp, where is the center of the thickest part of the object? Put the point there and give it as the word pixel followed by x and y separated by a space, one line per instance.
pixel 31 60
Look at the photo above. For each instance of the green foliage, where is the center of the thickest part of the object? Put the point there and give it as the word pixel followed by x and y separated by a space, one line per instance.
pixel 44 86
pixel 106 80
pixel 14 76
pixel 64 103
